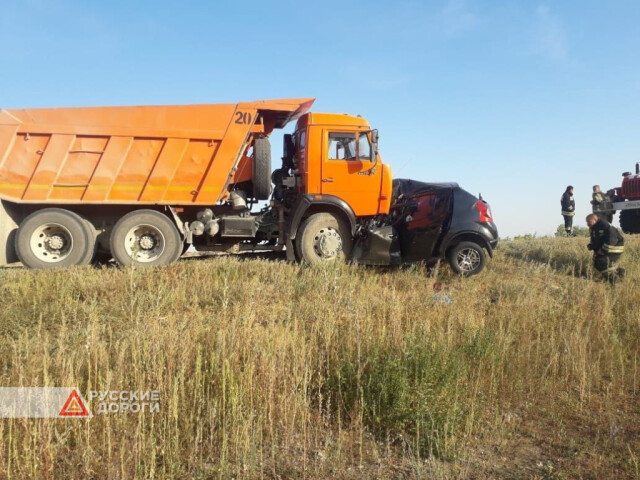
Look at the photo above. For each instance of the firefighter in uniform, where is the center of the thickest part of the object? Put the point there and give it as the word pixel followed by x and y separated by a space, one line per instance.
pixel 601 203
pixel 568 210
pixel 607 244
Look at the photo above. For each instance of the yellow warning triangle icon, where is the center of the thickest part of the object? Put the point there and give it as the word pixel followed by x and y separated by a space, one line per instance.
pixel 74 407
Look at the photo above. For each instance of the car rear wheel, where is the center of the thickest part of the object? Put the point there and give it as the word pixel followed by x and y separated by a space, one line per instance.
pixel 145 238
pixel 467 258
pixel 323 237
pixel 54 238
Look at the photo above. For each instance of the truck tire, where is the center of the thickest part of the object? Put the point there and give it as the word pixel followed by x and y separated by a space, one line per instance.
pixel 145 238
pixel 323 237
pixel 54 238
pixel 93 244
pixel 261 175
pixel 630 221
pixel 467 258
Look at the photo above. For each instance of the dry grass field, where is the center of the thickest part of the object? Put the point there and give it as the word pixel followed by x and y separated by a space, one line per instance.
pixel 271 370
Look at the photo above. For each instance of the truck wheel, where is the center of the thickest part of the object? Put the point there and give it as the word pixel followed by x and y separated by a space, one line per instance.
pixel 261 176
pixel 93 244
pixel 467 258
pixel 146 238
pixel 54 238
pixel 323 237
pixel 630 221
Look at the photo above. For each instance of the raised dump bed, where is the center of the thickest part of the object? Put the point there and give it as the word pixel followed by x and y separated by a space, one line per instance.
pixel 178 155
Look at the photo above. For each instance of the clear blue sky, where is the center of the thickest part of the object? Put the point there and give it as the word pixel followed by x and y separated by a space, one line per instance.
pixel 513 99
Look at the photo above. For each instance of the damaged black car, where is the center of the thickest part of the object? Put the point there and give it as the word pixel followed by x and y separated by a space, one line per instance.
pixel 430 222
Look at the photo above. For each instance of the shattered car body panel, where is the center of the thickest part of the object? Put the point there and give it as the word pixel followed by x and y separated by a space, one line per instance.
pixel 426 220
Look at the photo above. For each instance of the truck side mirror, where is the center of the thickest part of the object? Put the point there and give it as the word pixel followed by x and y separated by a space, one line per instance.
pixel 374 151
pixel 374 141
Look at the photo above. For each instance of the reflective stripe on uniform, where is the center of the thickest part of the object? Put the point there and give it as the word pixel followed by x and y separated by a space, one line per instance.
pixel 613 248
pixel 568 214
pixel 612 268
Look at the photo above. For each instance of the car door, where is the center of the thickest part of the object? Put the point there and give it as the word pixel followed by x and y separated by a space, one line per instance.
pixel 424 215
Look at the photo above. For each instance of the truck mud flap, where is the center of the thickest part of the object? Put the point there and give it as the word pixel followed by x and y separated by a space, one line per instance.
pixel 379 246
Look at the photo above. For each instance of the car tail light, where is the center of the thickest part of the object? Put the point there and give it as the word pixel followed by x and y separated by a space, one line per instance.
pixel 485 211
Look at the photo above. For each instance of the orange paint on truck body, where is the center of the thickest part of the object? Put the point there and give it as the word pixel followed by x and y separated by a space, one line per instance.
pixel 335 157
pixel 164 155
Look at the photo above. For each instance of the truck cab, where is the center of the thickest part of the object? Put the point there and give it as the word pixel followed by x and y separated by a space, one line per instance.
pixel 331 171
pixel 337 156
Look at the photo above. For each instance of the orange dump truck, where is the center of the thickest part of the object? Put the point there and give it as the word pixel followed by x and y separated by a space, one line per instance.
pixel 142 184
